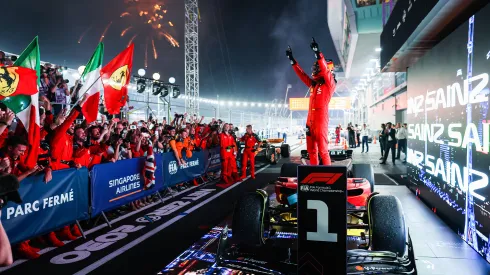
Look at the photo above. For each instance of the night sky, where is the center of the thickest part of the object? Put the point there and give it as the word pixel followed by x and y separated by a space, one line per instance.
pixel 241 43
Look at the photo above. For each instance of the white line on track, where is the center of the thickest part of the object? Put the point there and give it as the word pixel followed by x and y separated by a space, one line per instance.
pixel 390 179
pixel 141 209
pixel 154 231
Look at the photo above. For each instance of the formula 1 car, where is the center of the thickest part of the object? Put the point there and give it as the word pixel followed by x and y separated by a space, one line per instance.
pixel 379 239
pixel 271 150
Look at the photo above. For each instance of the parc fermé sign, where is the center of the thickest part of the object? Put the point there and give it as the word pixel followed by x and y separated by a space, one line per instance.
pixel 112 240
pixel 61 201
pixel 322 220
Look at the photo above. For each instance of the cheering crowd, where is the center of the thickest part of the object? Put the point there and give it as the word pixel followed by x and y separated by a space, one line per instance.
pixel 67 141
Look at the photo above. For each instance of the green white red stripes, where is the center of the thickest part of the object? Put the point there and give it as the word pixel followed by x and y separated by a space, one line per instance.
pixel 92 84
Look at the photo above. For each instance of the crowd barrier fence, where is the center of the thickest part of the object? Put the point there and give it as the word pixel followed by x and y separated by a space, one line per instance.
pixel 67 199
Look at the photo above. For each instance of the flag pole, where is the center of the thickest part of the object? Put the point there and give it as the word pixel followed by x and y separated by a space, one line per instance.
pixel 81 96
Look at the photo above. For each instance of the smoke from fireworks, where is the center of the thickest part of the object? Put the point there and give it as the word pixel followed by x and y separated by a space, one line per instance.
pixel 105 31
pixel 83 34
pixel 155 54
pixel 144 19
pixel 125 31
pixel 131 40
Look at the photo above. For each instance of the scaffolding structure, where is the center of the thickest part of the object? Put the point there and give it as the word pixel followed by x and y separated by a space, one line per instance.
pixel 191 57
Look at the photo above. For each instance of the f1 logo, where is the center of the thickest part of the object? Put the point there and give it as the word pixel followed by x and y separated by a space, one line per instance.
pixel 328 178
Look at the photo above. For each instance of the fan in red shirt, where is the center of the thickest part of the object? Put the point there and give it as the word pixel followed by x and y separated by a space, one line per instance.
pixel 252 142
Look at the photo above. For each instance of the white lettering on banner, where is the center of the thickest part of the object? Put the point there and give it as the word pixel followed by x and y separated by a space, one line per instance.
pixel 440 98
pixel 450 172
pixel 124 180
pixel 28 207
pixel 82 252
pixel 172 167
pixel 129 187
pixel 433 132
pixel 190 164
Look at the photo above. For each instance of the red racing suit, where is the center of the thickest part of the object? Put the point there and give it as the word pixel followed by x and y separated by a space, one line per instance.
pixel 228 160
pixel 322 88
pixel 249 153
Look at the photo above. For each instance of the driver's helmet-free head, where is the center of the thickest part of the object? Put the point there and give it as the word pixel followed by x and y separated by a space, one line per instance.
pixel 315 69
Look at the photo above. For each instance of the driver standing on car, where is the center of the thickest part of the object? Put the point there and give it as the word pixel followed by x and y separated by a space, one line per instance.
pixel 252 142
pixel 322 86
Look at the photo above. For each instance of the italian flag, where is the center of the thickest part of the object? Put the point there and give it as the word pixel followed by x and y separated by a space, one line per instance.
pixel 92 85
pixel 26 107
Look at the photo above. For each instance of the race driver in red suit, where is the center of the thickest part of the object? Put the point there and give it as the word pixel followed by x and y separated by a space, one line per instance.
pixel 322 86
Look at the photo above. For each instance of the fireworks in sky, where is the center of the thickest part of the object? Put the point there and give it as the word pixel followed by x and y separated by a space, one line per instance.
pixel 144 19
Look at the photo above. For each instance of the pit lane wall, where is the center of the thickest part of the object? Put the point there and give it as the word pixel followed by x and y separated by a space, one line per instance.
pixel 67 198
pixel 449 130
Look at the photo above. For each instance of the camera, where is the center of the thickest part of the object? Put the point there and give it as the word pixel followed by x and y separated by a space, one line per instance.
pixel 43 163
pixel 45 146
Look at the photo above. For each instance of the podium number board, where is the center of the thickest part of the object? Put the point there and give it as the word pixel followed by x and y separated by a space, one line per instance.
pixel 322 220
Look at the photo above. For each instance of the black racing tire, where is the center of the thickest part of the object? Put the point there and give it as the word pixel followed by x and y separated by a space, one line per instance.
pixel 248 219
pixel 364 171
pixel 387 227
pixel 285 150
pixel 289 170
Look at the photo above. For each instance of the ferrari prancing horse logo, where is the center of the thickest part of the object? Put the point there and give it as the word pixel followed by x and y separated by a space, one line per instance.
pixel 119 77
pixel 9 79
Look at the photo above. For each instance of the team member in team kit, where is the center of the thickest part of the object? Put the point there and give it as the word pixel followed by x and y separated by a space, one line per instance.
pixel 322 86
pixel 252 142
pixel 228 154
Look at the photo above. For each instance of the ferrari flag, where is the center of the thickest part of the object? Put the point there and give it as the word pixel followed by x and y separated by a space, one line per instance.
pixel 17 81
pixel 115 78
pixel 92 85
pixel 25 103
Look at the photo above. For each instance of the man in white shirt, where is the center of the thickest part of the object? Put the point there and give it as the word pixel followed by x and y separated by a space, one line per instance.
pixel 365 136
pixel 401 136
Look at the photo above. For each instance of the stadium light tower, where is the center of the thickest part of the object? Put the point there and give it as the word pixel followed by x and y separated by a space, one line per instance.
pixel 191 57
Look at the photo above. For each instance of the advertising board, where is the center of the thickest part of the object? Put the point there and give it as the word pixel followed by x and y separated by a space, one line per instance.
pixel 449 130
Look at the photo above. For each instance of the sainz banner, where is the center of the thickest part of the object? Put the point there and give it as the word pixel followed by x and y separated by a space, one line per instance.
pixel 47 206
pixel 116 184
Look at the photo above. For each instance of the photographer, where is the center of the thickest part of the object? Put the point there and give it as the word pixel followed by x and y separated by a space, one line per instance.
pixel 61 94
pixel 45 82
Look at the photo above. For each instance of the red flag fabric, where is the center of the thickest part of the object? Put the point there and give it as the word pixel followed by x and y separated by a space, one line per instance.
pixel 17 81
pixel 115 78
